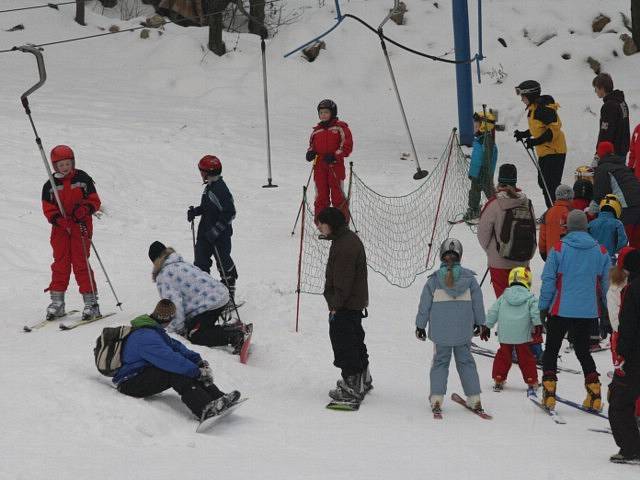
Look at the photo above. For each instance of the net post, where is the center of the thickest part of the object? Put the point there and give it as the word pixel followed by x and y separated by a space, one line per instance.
pixel 303 204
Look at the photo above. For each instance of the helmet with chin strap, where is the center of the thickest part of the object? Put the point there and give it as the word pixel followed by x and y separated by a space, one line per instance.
pixel 451 245
pixel 329 105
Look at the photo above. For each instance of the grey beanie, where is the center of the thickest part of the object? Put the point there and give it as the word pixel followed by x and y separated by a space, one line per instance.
pixel 577 221
pixel 564 192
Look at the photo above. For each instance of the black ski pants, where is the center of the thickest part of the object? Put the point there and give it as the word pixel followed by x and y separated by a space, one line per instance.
pixel 221 251
pixel 579 330
pixel 203 330
pixel 552 167
pixel 623 392
pixel 153 380
pixel 347 340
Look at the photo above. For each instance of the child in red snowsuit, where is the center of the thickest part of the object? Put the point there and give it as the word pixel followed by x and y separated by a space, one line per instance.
pixel 329 144
pixel 71 231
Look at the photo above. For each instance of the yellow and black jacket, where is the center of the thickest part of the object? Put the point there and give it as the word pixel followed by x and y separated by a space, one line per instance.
pixel 545 126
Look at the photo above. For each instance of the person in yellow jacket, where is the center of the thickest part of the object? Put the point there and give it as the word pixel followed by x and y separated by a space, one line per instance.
pixel 545 135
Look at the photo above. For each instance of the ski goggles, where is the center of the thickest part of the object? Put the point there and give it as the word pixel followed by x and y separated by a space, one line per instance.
pixel 525 91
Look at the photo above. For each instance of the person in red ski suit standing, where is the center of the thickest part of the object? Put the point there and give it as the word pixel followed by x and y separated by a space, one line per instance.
pixel 79 200
pixel 329 144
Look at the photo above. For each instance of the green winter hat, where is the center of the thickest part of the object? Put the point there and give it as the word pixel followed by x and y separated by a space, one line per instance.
pixel 144 321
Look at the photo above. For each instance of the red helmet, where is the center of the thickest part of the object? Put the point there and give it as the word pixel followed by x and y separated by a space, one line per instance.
pixel 61 152
pixel 210 165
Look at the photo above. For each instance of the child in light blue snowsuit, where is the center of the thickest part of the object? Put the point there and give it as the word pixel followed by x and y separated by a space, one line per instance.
pixel 451 306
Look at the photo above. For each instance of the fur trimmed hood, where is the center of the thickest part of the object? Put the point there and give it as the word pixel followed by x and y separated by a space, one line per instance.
pixel 159 262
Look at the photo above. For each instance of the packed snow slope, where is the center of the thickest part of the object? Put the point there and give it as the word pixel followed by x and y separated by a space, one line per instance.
pixel 140 113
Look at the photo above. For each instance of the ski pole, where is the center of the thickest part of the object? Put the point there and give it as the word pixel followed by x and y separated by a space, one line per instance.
pixel 193 239
pixel 106 275
pixel 226 281
pixel 83 232
pixel 266 113
pixel 484 276
pixel 295 224
pixel 537 165
pixel 419 172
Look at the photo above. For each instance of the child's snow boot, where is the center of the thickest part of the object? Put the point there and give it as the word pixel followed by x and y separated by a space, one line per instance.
pixel 367 381
pixel 473 402
pixel 91 308
pixel 56 307
pixel 592 385
pixel 549 381
pixel 214 408
pixel 436 403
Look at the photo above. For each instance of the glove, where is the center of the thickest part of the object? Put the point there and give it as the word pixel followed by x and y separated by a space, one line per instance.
pixel 81 212
pixel 537 331
pixel 485 333
pixel 311 156
pixel 203 363
pixel 212 235
pixel 329 158
pixel 530 143
pixel 206 376
pixel 520 135
pixel 543 317
pixel 421 334
pixel 191 214
pixel 63 222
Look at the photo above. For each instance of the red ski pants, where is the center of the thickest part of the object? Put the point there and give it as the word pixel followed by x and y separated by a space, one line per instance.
pixel 499 279
pixel 329 187
pixel 526 362
pixel 68 253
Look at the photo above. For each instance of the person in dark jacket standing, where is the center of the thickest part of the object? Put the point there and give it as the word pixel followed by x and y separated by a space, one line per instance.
pixel 612 176
pixel 614 115
pixel 625 387
pixel 347 294
pixel 152 362
pixel 215 230
pixel 545 135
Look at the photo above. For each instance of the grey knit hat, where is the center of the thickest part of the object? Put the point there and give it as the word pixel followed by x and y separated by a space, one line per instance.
pixel 564 192
pixel 577 221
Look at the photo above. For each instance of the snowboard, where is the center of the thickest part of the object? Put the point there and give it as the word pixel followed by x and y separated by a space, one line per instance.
pixel 211 421
pixel 244 351
pixel 44 323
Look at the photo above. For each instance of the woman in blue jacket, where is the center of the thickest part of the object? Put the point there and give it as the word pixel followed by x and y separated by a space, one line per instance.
pixel 451 306
pixel 152 362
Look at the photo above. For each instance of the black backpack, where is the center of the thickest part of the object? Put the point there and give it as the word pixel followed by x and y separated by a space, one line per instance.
pixel 517 240
pixel 108 349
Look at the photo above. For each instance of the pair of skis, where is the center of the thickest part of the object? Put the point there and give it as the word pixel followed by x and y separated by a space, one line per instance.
pixel 437 411
pixel 65 326
pixel 487 352
pixel 555 415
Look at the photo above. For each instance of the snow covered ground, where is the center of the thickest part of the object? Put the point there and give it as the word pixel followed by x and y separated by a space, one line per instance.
pixel 140 113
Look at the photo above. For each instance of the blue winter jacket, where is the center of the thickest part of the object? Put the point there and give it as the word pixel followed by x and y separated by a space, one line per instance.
pixel 451 313
pixel 217 210
pixel 152 346
pixel 607 230
pixel 516 312
pixel 478 158
pixel 575 274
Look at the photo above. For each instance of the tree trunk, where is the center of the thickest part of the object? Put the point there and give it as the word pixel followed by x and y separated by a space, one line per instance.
pixel 80 12
pixel 635 21
pixel 256 20
pixel 214 12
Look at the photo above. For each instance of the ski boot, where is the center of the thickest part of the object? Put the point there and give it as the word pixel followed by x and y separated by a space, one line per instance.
pixel 367 381
pixel 549 381
pixel 628 459
pixel 56 307
pixel 498 386
pixel 473 402
pixel 532 389
pixel 91 308
pixel 592 385
pixel 471 215
pixel 436 404
pixel 348 389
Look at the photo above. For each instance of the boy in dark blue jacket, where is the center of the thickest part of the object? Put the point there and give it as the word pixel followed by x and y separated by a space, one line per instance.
pixel 215 230
pixel 152 362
